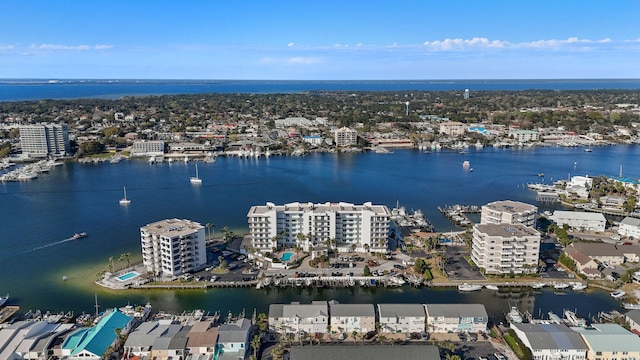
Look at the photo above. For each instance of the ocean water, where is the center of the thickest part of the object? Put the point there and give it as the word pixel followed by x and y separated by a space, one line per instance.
pixel 36 89
pixel 39 216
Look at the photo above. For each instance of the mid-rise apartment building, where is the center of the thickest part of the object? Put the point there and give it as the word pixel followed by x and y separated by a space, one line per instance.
pixel 509 212
pixel 346 137
pixel 147 148
pixel 342 225
pixel 172 247
pixel 41 141
pixel 505 248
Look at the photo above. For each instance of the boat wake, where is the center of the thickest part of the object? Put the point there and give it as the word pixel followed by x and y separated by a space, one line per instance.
pixel 47 245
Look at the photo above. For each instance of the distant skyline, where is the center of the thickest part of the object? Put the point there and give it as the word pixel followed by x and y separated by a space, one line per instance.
pixel 320 40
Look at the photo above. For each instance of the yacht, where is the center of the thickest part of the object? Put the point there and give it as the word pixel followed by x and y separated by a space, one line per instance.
pixel 196 180
pixel 124 200
pixel 514 316
pixel 560 285
pixel 538 285
pixel 77 236
pixel 618 294
pixel 4 299
pixel 579 287
pixel 491 287
pixel 466 164
pixel 469 287
pixel 630 306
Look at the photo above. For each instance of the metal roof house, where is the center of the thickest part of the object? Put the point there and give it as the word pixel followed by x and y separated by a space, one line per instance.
pixel 91 343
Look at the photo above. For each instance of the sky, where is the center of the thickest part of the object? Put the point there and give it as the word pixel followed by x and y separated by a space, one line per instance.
pixel 320 39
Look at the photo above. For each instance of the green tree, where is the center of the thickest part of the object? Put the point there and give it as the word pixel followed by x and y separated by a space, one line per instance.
pixel 91 148
pixel 255 345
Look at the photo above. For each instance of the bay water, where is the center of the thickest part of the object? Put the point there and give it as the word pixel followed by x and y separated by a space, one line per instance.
pixel 38 217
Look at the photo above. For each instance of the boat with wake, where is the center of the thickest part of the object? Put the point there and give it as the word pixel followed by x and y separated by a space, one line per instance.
pixel 80 235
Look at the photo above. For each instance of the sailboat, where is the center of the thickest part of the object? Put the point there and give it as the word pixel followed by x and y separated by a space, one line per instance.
pixel 588 149
pixel 196 180
pixel 124 200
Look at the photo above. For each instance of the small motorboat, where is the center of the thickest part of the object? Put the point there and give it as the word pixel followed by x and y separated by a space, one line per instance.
pixel 491 287
pixel 618 294
pixel 469 287
pixel 77 236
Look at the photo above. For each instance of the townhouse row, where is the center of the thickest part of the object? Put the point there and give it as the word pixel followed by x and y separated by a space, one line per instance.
pixel 332 317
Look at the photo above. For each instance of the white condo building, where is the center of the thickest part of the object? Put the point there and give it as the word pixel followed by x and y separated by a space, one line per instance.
pixel 361 227
pixel 505 248
pixel 581 220
pixel 172 247
pixel 147 148
pixel 629 227
pixel 41 141
pixel 346 137
pixel 509 212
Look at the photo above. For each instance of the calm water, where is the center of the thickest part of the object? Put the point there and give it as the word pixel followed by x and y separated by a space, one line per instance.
pixel 39 216
pixel 26 89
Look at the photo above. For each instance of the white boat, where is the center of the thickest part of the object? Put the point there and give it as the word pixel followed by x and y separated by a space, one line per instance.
pixel 573 320
pixel 588 149
pixel 4 299
pixel 560 285
pixel 630 306
pixel 491 287
pixel 469 287
pixel 618 294
pixel 538 285
pixel 77 236
pixel 579 287
pixel 186 159
pixel 514 316
pixel 124 200
pixel 196 180
pixel 466 164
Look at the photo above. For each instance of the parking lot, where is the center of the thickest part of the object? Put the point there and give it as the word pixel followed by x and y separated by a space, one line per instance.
pixel 457 267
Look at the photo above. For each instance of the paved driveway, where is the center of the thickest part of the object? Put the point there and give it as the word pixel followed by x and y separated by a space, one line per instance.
pixel 457 267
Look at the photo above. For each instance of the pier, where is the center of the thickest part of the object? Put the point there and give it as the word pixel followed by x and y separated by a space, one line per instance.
pixel 457 214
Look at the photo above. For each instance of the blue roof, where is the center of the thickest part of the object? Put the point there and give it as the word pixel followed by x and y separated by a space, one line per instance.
pixel 97 339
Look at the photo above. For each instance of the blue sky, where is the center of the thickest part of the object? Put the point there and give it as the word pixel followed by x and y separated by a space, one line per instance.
pixel 320 40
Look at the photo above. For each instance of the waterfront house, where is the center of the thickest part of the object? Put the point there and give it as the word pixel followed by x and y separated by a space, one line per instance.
pixel 369 352
pixel 352 317
pixel 505 248
pixel 296 318
pixel 551 341
pixel 509 212
pixel 633 319
pixel 234 339
pixel 605 253
pixel 141 340
pixel 31 339
pixel 443 318
pixel 629 227
pixel 580 220
pixel 92 342
pixel 609 341
pixel 612 202
pixel 404 318
pixel 171 345
pixel 202 339
pixel 584 264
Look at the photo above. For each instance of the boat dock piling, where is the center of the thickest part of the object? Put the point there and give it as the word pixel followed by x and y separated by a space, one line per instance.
pixel 458 213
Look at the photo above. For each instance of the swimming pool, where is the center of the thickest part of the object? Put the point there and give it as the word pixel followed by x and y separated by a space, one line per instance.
pixel 286 256
pixel 128 276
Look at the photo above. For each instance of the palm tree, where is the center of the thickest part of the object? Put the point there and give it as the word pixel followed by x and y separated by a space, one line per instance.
pixel 122 260
pixel 111 265
pixel 127 258
pixel 255 345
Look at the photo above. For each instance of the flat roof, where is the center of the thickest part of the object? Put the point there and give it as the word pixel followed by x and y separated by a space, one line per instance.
pixel 510 206
pixel 506 230
pixel 172 227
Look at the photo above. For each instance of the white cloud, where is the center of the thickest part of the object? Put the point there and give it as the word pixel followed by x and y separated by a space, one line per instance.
pixel 302 60
pixel 71 47
pixel 463 44
pixel 291 44
pixel 6 47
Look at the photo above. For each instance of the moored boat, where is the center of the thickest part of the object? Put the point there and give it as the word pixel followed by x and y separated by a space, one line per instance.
pixel 124 200
pixel 618 294
pixel 630 306
pixel 538 285
pixel 196 180
pixel 491 287
pixel 469 287
pixel 4 299
pixel 514 316
pixel 579 287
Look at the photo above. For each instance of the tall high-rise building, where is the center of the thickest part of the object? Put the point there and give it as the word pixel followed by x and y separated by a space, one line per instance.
pixel 466 94
pixel 172 247
pixel 41 141
pixel 346 226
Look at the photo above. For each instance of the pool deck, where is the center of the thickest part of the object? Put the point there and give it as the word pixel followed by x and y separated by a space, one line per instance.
pixel 113 281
